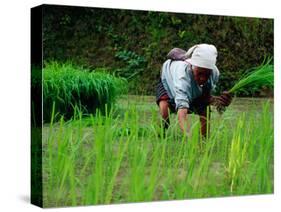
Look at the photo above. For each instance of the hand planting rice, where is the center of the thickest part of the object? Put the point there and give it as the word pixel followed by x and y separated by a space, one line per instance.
pixel 187 80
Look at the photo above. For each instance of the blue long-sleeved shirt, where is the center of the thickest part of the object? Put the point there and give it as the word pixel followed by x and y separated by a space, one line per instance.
pixel 178 80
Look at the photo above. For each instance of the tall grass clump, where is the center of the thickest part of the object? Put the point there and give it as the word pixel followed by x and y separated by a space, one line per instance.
pixel 260 76
pixel 70 86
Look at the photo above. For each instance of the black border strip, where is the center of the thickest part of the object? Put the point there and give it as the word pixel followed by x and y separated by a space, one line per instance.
pixel 36 107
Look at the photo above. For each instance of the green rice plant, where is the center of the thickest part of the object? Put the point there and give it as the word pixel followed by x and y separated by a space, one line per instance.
pixel 237 154
pixel 250 157
pixel 71 86
pixel 261 153
pixel 257 78
pixel 122 156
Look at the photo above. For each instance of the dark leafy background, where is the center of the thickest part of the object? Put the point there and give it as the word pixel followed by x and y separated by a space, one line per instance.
pixel 134 44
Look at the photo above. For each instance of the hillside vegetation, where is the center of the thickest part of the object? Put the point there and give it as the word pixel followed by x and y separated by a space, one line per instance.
pixel 134 44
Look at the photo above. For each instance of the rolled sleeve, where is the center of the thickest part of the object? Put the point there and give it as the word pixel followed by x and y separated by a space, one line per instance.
pixel 182 89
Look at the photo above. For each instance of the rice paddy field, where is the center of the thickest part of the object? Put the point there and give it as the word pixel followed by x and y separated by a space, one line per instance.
pixel 123 155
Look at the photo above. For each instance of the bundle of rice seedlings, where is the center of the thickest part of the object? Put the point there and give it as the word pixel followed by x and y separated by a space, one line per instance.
pixel 262 76
pixel 254 79
pixel 70 86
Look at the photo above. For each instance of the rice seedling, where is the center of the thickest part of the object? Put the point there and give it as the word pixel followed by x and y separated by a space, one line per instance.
pixel 256 78
pixel 122 156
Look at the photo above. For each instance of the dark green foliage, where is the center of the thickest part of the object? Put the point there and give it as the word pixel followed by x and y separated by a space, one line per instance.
pixel 94 37
pixel 70 88
pixel 134 64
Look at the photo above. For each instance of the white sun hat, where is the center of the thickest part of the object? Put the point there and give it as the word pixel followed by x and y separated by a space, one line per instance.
pixel 203 55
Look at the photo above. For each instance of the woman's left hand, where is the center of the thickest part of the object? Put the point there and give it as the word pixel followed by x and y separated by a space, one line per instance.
pixel 224 99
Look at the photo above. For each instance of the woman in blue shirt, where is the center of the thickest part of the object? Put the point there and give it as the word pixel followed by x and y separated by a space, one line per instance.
pixel 187 80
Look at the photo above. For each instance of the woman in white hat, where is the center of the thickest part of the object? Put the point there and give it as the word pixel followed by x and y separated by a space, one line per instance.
pixel 187 79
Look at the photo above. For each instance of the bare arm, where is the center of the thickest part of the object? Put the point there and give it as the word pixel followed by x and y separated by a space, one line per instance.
pixel 182 117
